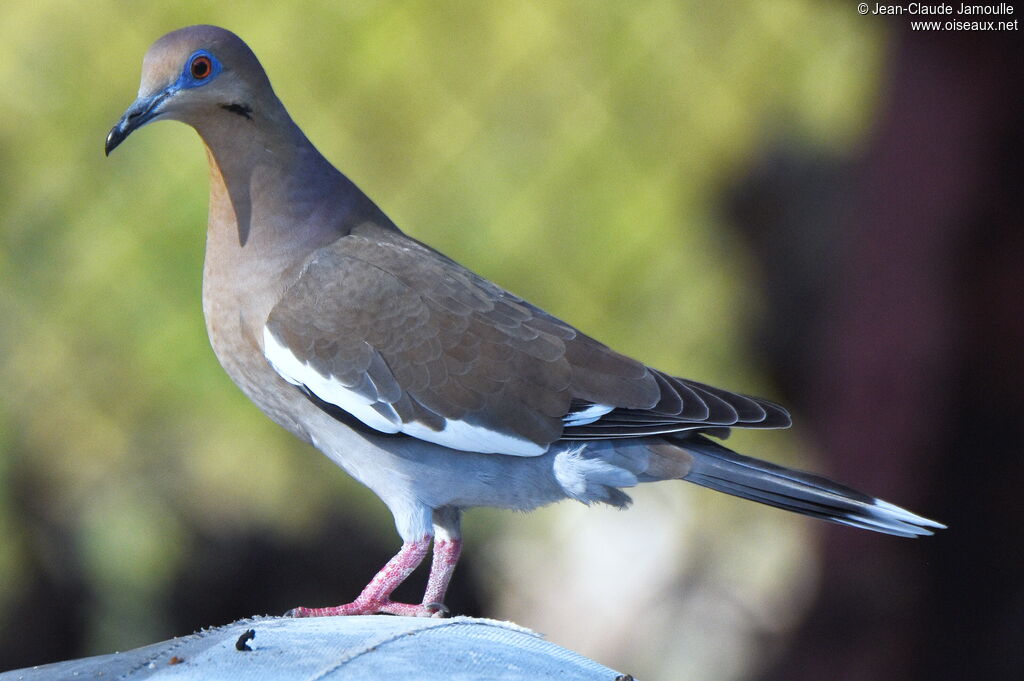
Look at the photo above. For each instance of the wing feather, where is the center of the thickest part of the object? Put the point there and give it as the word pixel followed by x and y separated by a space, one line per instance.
pixel 384 329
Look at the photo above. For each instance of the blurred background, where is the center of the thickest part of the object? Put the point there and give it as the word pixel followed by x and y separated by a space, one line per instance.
pixel 810 205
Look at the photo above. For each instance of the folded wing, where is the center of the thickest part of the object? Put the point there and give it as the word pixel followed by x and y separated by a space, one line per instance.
pixel 383 329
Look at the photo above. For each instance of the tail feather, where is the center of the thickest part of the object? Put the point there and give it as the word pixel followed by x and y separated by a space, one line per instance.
pixel 726 471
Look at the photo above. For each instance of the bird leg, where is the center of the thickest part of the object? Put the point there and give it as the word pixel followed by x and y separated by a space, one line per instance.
pixel 376 597
pixel 447 522
pixel 446 555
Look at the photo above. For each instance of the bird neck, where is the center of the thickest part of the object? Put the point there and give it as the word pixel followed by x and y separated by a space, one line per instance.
pixel 271 190
pixel 265 178
pixel 274 199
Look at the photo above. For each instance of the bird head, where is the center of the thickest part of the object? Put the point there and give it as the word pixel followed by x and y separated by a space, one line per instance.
pixel 194 75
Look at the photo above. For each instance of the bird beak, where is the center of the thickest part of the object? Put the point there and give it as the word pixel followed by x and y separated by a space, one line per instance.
pixel 142 111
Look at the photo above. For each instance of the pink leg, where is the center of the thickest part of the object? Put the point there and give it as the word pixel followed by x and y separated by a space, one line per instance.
pixel 376 596
pixel 446 555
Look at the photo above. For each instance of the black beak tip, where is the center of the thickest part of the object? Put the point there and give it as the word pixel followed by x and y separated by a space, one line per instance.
pixel 114 138
pixel 142 111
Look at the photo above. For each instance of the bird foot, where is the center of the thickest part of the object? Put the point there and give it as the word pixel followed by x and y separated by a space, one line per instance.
pixel 374 607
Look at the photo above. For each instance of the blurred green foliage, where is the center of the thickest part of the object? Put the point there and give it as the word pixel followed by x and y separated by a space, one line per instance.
pixel 570 150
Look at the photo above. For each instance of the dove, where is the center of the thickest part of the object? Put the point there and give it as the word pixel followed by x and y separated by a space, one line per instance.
pixel 434 387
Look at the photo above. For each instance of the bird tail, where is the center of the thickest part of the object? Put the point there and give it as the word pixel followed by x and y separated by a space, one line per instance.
pixel 726 471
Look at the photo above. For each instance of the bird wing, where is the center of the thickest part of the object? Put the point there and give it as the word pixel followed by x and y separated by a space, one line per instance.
pixel 384 329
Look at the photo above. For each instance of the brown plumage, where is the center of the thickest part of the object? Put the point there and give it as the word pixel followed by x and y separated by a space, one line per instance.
pixel 406 327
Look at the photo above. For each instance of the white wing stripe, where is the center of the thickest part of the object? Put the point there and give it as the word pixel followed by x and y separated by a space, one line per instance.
pixel 455 434
pixel 470 438
pixel 327 388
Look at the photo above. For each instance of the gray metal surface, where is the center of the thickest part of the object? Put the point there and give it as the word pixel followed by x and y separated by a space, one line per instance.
pixel 380 647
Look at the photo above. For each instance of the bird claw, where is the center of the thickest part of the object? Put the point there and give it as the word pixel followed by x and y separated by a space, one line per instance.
pixel 439 610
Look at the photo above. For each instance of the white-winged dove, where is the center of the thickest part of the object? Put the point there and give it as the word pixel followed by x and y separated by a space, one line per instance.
pixel 432 386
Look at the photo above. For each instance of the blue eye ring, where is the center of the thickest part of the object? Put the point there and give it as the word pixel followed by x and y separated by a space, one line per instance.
pixel 200 68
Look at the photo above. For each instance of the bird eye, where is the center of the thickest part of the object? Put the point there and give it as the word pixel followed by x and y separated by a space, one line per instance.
pixel 200 67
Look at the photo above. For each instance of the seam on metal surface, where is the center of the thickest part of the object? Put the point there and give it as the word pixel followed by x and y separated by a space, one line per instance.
pixel 371 647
